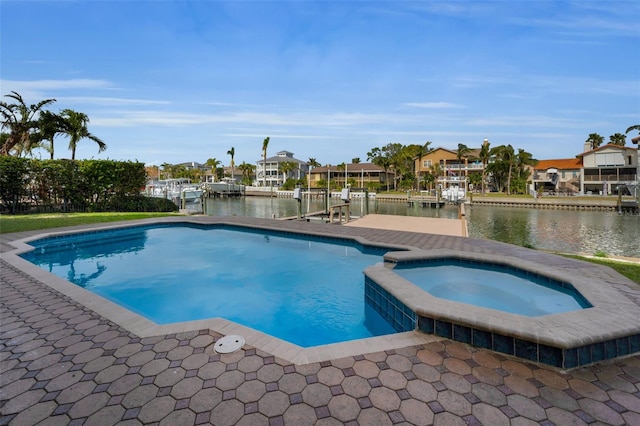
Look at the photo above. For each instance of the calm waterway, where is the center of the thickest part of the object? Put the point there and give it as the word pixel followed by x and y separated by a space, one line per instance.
pixel 567 231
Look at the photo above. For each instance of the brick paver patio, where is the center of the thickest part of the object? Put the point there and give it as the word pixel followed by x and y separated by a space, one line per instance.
pixel 61 363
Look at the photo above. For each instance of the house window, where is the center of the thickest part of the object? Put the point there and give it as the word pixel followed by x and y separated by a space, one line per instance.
pixel 563 174
pixel 427 163
pixel 575 174
pixel 630 160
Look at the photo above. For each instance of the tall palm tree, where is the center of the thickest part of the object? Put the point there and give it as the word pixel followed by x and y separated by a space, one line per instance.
pixel 313 162
pixel 461 152
pixel 507 155
pixel 595 140
pixel 265 144
pixel 484 155
pixel 618 139
pixel 247 170
pixel 213 163
pixel 286 167
pixel 421 152
pixel 19 119
pixel 632 128
pixel 75 127
pixel 232 153
pixel 355 160
pixel 50 125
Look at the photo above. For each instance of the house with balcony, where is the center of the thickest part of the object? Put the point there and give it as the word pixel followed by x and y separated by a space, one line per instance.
pixel 558 176
pixel 451 168
pixel 357 175
pixel 608 167
pixel 270 173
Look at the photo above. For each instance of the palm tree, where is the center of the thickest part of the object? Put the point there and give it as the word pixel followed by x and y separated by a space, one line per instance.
pixel 19 119
pixel 75 126
pixel 422 150
pixel 462 151
pixel 232 153
pixel 506 154
pixel 632 128
pixel 313 162
pixel 213 163
pixel 265 144
pixel 355 160
pixel 285 168
pixel 595 140
pixel 50 125
pixel 618 139
pixel 247 170
pixel 484 155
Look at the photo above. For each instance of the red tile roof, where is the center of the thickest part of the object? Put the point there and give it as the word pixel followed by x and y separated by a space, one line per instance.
pixel 561 163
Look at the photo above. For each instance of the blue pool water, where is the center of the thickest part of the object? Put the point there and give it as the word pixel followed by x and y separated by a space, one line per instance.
pixel 493 287
pixel 306 290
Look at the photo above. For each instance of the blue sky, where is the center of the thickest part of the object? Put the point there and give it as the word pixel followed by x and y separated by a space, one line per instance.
pixel 175 81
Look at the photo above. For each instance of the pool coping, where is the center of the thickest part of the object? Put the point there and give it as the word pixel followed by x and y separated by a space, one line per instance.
pixel 612 315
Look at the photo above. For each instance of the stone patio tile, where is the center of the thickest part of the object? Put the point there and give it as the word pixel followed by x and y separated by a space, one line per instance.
pixel 169 377
pixel 300 415
pixel 488 414
pixel 88 405
pixel 227 413
pixel 22 401
pixel 385 399
pixel 559 398
pixel 344 408
pixel 106 416
pixel 631 418
pixel 124 384
pixel 186 388
pixel 456 383
pixel 551 378
pixel 560 416
pixel 588 390
pixel 64 381
pixel 426 372
pixel 316 395
pixel 256 419
pixel 454 403
pixel 330 376
pixel 98 364
pixel 489 394
pixel 601 412
pixel 35 414
pixel 486 359
pixel 179 417
pixel 448 419
pixel 111 373
pixel 273 403
pixel 16 388
pixel 487 375
pixel 156 409
pixel 526 407
pixel 293 383
pixel 521 385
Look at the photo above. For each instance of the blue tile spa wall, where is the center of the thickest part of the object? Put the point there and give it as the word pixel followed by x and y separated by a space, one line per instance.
pixel 390 308
pixel 537 352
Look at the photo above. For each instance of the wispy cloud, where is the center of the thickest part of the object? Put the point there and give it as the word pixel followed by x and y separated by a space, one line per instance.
pixel 432 105
pixel 96 100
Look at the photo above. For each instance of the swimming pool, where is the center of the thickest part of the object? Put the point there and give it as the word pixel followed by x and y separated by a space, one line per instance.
pixel 306 290
pixel 609 329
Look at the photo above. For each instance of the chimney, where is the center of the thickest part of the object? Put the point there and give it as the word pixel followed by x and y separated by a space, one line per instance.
pixel 588 146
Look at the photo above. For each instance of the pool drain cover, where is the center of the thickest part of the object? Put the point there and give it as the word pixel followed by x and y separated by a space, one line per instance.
pixel 228 344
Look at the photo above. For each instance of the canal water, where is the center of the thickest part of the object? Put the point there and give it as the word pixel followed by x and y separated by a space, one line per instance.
pixel 567 231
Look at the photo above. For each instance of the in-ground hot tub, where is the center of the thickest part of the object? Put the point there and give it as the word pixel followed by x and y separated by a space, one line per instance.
pixel 595 329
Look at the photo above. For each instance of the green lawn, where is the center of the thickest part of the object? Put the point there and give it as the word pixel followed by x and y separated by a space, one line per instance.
pixel 629 270
pixel 32 222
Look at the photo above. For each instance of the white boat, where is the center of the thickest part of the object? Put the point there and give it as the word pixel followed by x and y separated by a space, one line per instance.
pixel 177 189
pixel 225 186
pixel 453 194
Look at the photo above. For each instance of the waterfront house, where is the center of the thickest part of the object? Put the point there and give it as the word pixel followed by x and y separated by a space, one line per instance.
pixel 558 176
pixel 272 169
pixel 607 167
pixel 450 165
pixel 358 175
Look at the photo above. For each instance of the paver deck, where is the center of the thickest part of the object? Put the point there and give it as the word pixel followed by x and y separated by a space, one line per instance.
pixel 62 363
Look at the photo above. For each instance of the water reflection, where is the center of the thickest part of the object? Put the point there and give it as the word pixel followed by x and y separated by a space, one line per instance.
pixel 568 231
